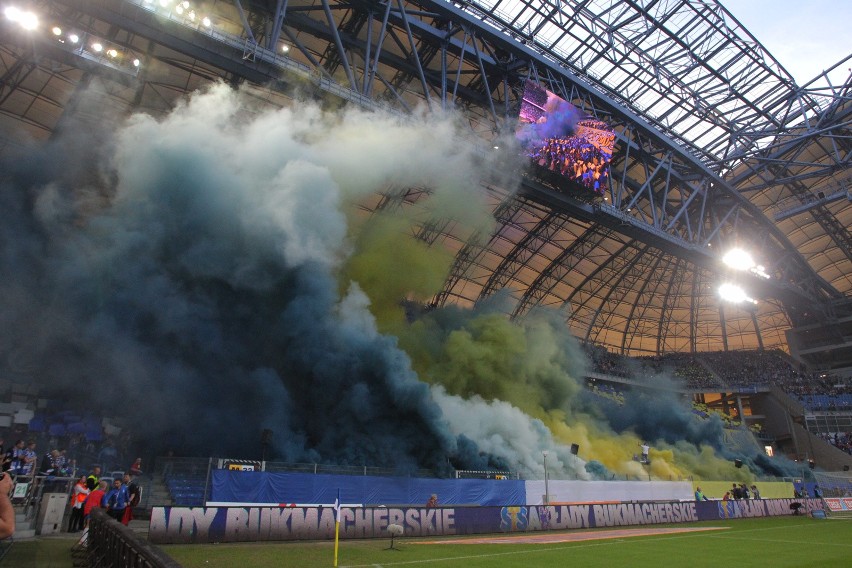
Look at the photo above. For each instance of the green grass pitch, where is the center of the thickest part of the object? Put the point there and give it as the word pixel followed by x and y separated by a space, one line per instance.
pixel 767 542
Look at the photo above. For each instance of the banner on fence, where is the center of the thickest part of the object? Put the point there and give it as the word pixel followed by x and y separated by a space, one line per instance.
pixel 235 524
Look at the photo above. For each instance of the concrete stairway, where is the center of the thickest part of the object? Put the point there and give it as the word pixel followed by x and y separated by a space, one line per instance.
pixel 24 528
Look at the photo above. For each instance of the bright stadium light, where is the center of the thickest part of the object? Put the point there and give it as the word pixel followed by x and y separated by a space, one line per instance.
pixel 206 21
pixel 136 63
pixel 57 31
pixel 73 38
pixel 25 19
pixel 97 47
pixel 734 294
pixel 738 259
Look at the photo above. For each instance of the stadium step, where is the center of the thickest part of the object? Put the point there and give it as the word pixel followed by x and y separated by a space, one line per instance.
pixel 24 534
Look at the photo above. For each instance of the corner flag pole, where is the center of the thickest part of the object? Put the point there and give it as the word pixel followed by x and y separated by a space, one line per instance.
pixel 336 526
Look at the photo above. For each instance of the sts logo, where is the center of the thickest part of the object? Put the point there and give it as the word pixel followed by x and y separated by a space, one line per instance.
pixel 513 519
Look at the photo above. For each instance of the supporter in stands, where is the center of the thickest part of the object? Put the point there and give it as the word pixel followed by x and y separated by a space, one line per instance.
pixel 726 496
pixel 61 464
pixel 7 512
pixel 49 463
pixel 78 500
pixel 69 468
pixel 135 494
pixel 29 459
pixel 755 493
pixel 645 449
pixel 116 500
pixel 15 457
pixel 136 467
pixel 744 491
pixel 50 468
pixel 94 500
pixel 93 478
pixel 699 496
pixel 432 502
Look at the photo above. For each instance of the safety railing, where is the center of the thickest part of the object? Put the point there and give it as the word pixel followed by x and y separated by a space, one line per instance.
pixel 109 543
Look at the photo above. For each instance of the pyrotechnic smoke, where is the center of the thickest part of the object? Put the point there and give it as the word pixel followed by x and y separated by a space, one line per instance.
pixel 203 276
pixel 200 301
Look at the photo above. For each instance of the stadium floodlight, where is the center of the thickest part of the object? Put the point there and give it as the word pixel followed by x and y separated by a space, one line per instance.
pixel 738 259
pixel 136 63
pixel 112 52
pixel 206 21
pixel 734 294
pixel 285 48
pixel 97 47
pixel 25 19
pixel 57 31
pixel 165 3
pixel 73 38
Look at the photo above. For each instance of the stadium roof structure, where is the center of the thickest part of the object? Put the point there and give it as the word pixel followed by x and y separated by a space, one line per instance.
pixel 716 144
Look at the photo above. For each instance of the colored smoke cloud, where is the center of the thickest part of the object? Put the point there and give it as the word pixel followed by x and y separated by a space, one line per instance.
pixel 203 276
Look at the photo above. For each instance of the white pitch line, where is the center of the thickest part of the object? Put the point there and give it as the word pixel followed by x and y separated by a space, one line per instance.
pixel 469 556
pixel 636 540
pixel 804 543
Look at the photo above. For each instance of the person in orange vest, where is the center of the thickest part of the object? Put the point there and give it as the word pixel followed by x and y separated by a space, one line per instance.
pixel 78 499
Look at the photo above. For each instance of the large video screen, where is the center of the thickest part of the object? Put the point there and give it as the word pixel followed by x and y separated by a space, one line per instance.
pixel 556 135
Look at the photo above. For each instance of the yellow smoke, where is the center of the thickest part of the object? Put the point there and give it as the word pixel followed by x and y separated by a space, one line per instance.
pixel 532 363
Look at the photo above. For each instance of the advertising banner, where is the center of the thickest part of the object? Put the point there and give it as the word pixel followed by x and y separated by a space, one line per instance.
pixel 170 525
pixel 839 503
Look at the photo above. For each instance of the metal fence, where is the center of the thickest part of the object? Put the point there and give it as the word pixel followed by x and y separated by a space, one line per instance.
pixel 111 544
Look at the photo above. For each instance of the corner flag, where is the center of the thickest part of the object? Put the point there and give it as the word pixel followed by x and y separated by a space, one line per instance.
pixel 336 525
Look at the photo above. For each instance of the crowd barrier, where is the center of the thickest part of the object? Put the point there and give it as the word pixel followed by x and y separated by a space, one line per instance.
pixel 173 525
pixel 110 543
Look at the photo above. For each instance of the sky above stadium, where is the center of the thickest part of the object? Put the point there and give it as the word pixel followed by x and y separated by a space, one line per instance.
pixel 805 37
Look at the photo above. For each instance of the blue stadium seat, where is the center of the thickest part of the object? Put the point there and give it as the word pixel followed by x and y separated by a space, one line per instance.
pixel 57 429
pixel 37 423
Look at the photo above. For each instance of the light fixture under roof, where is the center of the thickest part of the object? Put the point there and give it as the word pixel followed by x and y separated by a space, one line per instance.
pixel 738 259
